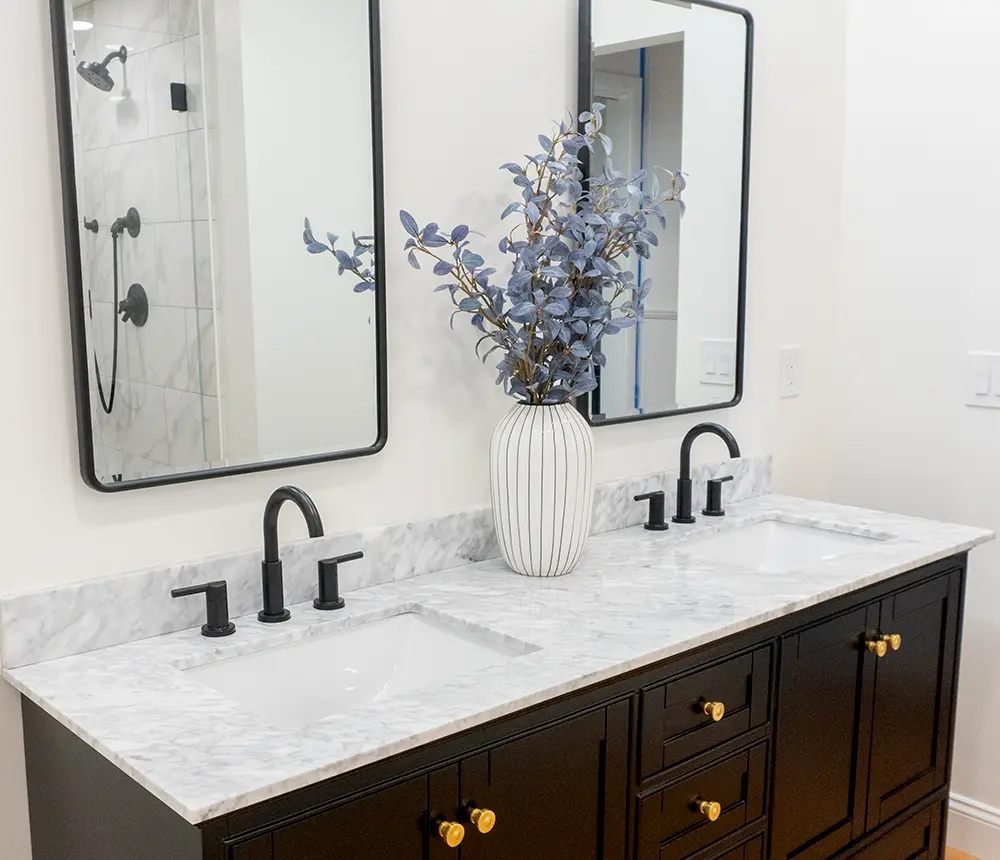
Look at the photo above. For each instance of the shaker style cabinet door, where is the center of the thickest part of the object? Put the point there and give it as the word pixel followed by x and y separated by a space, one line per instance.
pixel 913 696
pixel 823 736
pixel 559 792
pixel 400 822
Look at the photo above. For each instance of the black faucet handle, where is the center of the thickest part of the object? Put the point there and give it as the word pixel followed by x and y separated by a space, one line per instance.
pixel 714 508
pixel 657 521
pixel 329 581
pixel 217 605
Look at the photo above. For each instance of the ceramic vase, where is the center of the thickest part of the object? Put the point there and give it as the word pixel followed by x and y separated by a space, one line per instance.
pixel 541 478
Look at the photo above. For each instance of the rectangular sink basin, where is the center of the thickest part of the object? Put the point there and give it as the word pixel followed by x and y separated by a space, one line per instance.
pixel 303 682
pixel 773 546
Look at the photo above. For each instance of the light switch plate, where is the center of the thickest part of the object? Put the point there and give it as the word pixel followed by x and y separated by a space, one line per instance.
pixel 981 379
pixel 791 371
pixel 718 361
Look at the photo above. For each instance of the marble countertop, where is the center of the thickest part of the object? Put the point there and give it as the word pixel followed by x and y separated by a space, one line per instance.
pixel 636 598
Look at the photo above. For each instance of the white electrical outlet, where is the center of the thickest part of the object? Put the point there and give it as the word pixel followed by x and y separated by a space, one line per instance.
pixel 791 371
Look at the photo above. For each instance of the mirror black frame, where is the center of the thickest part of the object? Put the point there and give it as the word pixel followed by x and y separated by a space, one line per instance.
pixel 77 305
pixel 586 90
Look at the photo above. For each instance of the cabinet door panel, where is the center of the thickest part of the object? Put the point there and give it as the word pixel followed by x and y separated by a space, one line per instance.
pixel 559 792
pixel 917 838
pixel 913 696
pixel 823 737
pixel 390 823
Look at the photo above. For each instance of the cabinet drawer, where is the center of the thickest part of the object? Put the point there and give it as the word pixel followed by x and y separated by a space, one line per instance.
pixel 752 850
pixel 917 838
pixel 670 826
pixel 674 723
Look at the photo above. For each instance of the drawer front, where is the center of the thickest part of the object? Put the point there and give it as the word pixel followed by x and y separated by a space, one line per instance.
pixel 752 850
pixel 917 838
pixel 674 723
pixel 671 827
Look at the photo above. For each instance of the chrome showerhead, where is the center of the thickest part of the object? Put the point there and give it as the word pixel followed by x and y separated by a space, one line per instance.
pixel 97 74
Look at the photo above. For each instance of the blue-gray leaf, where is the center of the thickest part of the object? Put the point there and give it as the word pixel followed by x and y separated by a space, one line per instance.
pixel 409 223
pixel 412 259
pixel 316 248
pixel 514 207
pixel 459 233
pixel 443 268
pixel 523 312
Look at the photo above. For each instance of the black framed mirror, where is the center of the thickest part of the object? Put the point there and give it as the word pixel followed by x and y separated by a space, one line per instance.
pixel 676 78
pixel 211 334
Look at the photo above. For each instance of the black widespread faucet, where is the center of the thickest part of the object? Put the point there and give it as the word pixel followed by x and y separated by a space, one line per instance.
pixel 271 577
pixel 683 514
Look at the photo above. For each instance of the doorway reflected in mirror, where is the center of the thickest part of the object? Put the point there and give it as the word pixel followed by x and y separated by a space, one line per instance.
pixel 675 79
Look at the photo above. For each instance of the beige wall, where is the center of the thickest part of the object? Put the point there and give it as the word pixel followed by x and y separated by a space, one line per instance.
pixel 442 404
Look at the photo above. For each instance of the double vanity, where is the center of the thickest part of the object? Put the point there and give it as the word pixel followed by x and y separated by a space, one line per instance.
pixel 778 682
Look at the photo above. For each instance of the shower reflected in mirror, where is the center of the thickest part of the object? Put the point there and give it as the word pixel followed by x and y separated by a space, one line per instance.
pixel 207 342
pixel 97 74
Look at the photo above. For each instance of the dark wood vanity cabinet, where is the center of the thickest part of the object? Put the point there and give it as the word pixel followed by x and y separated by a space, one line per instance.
pixel 559 791
pixel 821 749
pixel 861 737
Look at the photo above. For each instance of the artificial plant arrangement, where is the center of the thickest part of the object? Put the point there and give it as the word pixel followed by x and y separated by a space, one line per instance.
pixel 569 284
pixel 567 288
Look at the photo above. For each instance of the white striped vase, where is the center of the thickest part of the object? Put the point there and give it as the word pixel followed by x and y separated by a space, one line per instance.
pixel 541 477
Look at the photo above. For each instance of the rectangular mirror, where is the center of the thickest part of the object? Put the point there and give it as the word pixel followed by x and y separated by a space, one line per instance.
pixel 676 81
pixel 195 137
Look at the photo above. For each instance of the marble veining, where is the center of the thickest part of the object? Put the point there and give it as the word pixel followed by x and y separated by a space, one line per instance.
pixel 65 620
pixel 636 598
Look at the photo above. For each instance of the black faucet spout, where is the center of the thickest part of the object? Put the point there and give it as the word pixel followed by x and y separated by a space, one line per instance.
pixel 683 514
pixel 272 580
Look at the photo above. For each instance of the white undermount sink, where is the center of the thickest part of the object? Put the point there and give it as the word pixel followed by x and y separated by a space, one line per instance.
pixel 773 546
pixel 301 682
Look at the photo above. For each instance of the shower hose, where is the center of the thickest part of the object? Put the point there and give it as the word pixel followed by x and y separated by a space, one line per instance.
pixel 107 404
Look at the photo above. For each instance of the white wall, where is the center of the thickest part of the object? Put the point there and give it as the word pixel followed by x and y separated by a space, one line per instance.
pixel 712 129
pixel 664 137
pixel 307 121
pixel 708 269
pixel 442 404
pixel 921 220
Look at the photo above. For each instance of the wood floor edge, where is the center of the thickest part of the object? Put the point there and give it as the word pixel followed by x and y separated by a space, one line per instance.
pixel 955 854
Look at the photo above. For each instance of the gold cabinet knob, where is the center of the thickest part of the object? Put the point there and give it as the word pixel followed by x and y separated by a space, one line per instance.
pixel 451 832
pixel 878 647
pixel 484 820
pixel 710 809
pixel 894 641
pixel 715 710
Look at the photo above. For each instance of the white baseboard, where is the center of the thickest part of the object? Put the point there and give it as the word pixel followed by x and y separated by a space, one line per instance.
pixel 974 827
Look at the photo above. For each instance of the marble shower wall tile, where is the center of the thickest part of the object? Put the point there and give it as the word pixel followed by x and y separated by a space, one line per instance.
pixel 76 618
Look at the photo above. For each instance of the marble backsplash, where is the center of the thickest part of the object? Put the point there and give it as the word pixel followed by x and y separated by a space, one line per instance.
pixel 71 619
